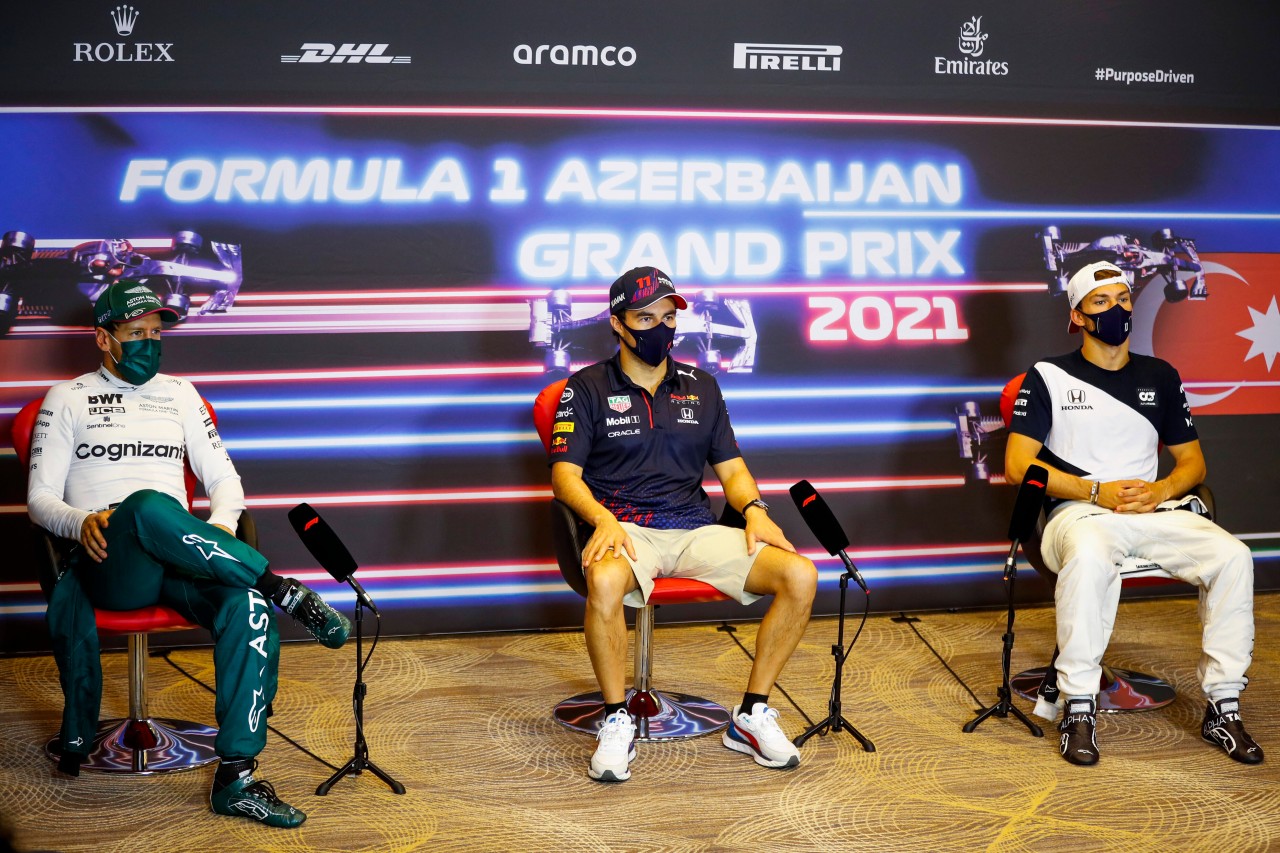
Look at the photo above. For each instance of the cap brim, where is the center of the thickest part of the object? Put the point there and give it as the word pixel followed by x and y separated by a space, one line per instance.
pixel 170 315
pixel 679 300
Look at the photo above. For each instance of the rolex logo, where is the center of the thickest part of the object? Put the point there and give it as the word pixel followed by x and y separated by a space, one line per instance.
pixel 124 17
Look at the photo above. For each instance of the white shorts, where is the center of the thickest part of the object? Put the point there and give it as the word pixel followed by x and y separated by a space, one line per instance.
pixel 714 554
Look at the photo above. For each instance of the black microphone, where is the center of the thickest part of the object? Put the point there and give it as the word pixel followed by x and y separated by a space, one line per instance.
pixel 328 549
pixel 1026 511
pixel 823 523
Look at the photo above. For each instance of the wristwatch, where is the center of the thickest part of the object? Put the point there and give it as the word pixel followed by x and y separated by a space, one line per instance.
pixel 757 502
pixel 1093 492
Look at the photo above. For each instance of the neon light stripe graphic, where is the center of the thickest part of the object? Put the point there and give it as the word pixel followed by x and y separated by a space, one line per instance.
pixel 639 113
pixel 1036 214
pixel 425 372
pixel 599 293
pixel 516 494
pixel 444 439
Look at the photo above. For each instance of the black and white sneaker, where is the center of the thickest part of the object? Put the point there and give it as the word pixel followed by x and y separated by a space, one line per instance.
pixel 1222 726
pixel 311 611
pixel 1079 719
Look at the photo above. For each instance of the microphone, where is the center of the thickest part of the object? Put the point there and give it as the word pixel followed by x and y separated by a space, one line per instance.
pixel 823 523
pixel 1026 511
pixel 328 550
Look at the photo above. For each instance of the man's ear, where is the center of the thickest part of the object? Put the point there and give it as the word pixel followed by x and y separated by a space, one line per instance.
pixel 102 338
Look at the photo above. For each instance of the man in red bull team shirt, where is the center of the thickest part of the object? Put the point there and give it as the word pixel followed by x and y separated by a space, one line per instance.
pixel 630 441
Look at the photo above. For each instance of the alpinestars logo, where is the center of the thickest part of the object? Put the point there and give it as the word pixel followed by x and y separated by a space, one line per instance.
pixel 754 56
pixel 351 54
pixel 207 548
pixel 125 18
pixel 972 43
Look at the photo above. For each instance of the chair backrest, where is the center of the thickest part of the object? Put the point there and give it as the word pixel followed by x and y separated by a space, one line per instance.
pixel 24 426
pixel 1008 396
pixel 544 410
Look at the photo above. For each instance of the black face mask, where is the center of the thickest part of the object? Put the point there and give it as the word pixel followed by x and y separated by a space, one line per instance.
pixel 652 345
pixel 1111 326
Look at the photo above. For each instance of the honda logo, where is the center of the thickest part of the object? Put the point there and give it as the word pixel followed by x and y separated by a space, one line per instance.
pixel 1075 396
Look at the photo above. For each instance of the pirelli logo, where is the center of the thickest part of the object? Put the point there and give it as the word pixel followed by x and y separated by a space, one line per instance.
pixel 755 56
pixel 563 426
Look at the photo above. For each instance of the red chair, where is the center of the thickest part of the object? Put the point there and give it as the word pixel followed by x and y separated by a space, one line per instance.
pixel 140 744
pixel 1119 689
pixel 659 715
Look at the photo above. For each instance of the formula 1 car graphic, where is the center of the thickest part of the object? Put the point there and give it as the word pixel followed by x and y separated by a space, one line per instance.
pixel 56 278
pixel 974 431
pixel 1174 259
pixel 712 324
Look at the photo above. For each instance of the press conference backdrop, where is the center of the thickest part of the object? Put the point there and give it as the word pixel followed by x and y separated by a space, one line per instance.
pixel 391 225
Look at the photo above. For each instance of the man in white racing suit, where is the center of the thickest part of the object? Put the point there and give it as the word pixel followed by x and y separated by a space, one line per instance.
pixel 1095 419
pixel 107 472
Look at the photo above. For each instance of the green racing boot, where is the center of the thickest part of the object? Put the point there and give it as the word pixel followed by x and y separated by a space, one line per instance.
pixel 256 800
pixel 311 611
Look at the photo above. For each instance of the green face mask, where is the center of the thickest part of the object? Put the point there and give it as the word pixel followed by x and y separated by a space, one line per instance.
pixel 139 360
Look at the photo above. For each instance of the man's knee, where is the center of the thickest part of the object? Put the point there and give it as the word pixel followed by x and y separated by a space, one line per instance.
pixel 801 578
pixel 608 581
pixel 792 577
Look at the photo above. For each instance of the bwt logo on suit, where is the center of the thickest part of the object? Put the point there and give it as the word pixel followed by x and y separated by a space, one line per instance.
pixel 124 18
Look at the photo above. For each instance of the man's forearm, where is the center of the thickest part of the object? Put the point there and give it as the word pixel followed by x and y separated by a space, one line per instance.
pixel 574 493
pixel 1184 477
pixel 740 490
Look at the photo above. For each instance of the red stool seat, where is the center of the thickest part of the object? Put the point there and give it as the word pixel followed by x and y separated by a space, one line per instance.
pixel 684 591
pixel 148 620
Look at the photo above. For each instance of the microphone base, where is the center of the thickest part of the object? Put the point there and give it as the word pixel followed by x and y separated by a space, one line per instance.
pixel 355 767
pixel 835 723
pixel 1003 708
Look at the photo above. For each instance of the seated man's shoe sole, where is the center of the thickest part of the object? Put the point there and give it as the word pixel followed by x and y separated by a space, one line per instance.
pixel 312 612
pixel 1223 728
pixel 255 800
pixel 757 734
pixel 612 774
pixel 745 747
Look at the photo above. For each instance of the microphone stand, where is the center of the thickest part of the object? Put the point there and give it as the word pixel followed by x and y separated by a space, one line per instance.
pixel 835 721
pixel 360 759
pixel 1004 704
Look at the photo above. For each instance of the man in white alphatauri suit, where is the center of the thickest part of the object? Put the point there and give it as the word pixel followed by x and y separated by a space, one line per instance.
pixel 106 472
pixel 1095 419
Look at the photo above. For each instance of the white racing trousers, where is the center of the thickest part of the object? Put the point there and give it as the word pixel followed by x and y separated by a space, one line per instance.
pixel 1090 549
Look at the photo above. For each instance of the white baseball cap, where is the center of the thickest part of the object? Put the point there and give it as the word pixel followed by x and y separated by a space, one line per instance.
pixel 1090 277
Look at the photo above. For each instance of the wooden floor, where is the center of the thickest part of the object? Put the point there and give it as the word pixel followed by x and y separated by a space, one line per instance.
pixel 464 723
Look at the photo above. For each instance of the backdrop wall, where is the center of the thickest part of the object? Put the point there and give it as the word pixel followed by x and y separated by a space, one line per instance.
pixel 394 223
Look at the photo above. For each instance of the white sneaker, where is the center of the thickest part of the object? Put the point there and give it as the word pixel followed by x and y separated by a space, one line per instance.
pixel 616 749
pixel 759 735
